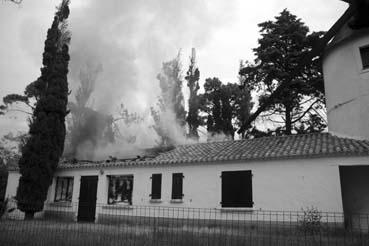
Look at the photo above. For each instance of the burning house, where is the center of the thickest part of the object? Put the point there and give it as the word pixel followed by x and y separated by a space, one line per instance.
pixel 325 170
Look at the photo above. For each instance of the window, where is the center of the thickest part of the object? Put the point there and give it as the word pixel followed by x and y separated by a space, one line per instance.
pixel 120 189
pixel 63 189
pixel 364 53
pixel 177 186
pixel 237 189
pixel 156 186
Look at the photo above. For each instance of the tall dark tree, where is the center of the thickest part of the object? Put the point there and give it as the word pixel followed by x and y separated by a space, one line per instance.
pixel 192 77
pixel 41 153
pixel 283 43
pixel 225 107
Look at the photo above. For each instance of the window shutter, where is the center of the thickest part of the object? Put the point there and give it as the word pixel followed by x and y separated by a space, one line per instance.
pixel 237 189
pixel 364 53
pixel 177 186
pixel 156 186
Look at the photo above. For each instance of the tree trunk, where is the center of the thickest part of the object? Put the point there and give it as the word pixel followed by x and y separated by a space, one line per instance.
pixel 29 215
pixel 288 119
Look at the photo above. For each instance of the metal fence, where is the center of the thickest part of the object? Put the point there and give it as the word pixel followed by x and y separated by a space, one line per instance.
pixel 60 224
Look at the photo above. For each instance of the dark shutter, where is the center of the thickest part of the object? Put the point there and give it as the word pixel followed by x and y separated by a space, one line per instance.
pixel 237 189
pixel 57 189
pixel 177 186
pixel 156 186
pixel 364 52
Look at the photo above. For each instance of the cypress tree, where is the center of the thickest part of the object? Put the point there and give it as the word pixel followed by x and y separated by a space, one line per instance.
pixel 193 76
pixel 41 153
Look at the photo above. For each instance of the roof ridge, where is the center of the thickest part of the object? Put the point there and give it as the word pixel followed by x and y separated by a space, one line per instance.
pixel 252 139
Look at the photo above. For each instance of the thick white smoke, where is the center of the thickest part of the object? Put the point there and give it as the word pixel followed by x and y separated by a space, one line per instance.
pixel 131 39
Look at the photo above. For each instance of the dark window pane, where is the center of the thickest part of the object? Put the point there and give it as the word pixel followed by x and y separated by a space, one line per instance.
pixel 364 52
pixel 57 190
pixel 156 186
pixel 70 189
pixel 177 186
pixel 64 183
pixel 64 189
pixel 237 189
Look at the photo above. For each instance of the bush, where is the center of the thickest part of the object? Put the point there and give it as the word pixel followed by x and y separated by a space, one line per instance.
pixel 310 221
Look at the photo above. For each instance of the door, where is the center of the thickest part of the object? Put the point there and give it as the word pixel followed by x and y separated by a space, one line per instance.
pixel 87 198
pixel 355 195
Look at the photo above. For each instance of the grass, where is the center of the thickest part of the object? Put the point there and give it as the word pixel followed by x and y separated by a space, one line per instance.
pixel 60 233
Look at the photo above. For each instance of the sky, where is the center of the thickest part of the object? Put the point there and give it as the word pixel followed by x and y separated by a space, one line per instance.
pixel 131 39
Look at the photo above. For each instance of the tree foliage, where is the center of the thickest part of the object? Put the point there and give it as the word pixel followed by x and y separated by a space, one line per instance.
pixel 283 43
pixel 41 153
pixel 10 147
pixel 193 118
pixel 86 126
pixel 170 115
pixel 121 123
pixel 225 107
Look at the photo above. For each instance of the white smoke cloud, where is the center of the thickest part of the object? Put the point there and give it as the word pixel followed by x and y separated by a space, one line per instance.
pixel 132 38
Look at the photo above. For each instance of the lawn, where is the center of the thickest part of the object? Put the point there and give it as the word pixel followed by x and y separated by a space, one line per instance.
pixel 150 232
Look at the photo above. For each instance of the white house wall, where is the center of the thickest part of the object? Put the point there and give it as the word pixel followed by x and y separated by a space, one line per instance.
pixel 277 185
pixel 11 188
pixel 283 185
pixel 347 89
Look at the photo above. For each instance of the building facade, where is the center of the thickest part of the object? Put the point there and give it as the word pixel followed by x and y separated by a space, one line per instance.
pixel 286 173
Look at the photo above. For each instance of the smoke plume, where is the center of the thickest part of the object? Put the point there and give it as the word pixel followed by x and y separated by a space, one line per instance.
pixel 131 39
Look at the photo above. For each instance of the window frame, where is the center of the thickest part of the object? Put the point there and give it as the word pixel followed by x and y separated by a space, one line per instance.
pixel 68 189
pixel 175 190
pixel 130 198
pixel 156 194
pixel 235 179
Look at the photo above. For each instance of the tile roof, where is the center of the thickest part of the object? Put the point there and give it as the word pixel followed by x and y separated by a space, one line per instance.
pixel 308 145
pixel 266 148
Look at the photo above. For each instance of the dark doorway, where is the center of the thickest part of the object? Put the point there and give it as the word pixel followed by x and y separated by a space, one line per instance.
pixel 355 194
pixel 87 198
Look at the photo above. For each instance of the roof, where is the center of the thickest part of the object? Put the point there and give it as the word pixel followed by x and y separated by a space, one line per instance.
pixel 266 148
pixel 344 35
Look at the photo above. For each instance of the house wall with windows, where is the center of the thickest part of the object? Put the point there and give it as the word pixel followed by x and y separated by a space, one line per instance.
pixel 288 185
pixel 346 81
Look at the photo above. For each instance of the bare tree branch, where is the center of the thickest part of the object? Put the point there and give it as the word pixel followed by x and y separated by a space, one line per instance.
pixel 324 118
pixel 15 1
pixel 306 111
pixel 19 110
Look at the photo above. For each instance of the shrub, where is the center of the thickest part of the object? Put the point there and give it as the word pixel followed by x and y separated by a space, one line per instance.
pixel 310 221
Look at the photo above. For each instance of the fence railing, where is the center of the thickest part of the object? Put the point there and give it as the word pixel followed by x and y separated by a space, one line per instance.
pixel 79 224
